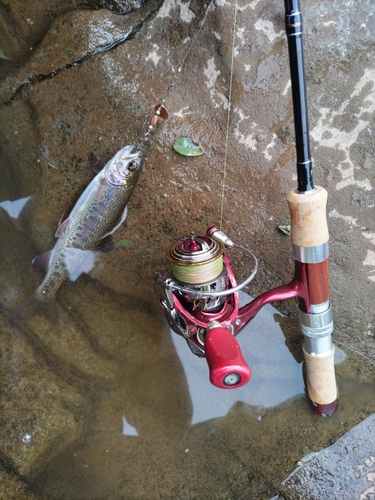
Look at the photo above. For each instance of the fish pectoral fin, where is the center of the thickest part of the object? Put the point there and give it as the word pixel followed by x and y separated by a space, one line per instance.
pixel 121 221
pixel 100 189
pixel 63 228
pixel 96 164
pixel 42 261
pixel 78 261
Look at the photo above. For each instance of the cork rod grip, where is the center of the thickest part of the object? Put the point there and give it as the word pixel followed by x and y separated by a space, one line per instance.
pixel 308 217
pixel 320 378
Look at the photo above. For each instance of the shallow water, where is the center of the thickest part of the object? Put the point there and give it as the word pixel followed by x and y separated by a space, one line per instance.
pixel 108 403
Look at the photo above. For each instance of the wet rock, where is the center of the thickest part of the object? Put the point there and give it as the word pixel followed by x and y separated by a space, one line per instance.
pixel 344 470
pixel 94 31
pixel 134 77
pixel 123 6
pixel 23 24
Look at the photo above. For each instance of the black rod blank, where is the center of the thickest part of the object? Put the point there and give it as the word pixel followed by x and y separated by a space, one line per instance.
pixel 294 29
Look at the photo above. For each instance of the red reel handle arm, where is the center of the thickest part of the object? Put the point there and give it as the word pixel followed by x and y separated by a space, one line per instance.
pixel 228 369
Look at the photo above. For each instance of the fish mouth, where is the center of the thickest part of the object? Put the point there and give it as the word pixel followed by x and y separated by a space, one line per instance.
pixel 126 152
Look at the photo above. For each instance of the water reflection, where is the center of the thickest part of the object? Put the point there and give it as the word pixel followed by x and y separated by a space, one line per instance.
pixel 79 261
pixel 276 375
pixel 14 208
pixel 127 429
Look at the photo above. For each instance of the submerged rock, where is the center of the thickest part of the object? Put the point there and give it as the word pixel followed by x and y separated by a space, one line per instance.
pixel 39 409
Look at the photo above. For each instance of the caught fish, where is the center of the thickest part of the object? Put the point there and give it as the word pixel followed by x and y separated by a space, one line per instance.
pixel 99 212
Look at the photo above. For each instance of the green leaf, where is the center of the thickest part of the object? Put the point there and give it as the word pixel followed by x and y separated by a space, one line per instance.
pixel 187 147
pixel 125 243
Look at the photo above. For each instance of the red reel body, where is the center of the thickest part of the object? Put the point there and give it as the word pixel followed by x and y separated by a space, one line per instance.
pixel 203 306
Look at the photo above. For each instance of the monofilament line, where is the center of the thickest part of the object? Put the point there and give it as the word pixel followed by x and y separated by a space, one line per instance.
pixel 176 75
pixel 196 36
pixel 228 118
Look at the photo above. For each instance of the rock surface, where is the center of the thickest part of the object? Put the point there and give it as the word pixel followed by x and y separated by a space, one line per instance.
pixel 344 470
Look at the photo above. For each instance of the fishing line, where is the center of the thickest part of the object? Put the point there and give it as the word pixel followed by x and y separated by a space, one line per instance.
pixel 228 118
pixel 160 110
pixel 195 36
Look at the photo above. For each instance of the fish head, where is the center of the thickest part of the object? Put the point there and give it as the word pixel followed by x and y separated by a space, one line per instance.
pixel 124 168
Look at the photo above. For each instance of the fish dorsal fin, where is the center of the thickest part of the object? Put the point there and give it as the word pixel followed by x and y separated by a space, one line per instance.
pixel 96 164
pixel 62 229
pixel 42 261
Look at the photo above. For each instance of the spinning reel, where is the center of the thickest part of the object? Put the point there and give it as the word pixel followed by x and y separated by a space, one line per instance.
pixel 202 304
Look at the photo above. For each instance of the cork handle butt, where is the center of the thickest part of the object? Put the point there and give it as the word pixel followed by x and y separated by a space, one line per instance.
pixel 320 378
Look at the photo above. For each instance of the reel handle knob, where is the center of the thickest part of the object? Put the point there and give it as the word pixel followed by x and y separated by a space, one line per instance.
pixel 228 369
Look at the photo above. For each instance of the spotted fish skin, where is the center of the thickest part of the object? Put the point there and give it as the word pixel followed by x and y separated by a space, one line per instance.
pixel 99 212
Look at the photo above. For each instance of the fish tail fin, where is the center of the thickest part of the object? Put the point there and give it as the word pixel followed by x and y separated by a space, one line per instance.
pixel 32 306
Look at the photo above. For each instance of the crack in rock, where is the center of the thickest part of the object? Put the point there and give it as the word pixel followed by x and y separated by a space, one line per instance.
pixel 88 33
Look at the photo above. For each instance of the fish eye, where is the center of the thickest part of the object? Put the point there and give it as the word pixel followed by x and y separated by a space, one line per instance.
pixel 132 166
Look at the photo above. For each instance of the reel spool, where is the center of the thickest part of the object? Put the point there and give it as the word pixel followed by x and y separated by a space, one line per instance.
pixel 197 262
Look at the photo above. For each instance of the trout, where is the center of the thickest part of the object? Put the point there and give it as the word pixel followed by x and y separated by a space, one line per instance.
pixel 98 213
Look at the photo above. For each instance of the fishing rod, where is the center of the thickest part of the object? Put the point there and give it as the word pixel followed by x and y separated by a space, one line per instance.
pixel 309 233
pixel 201 299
